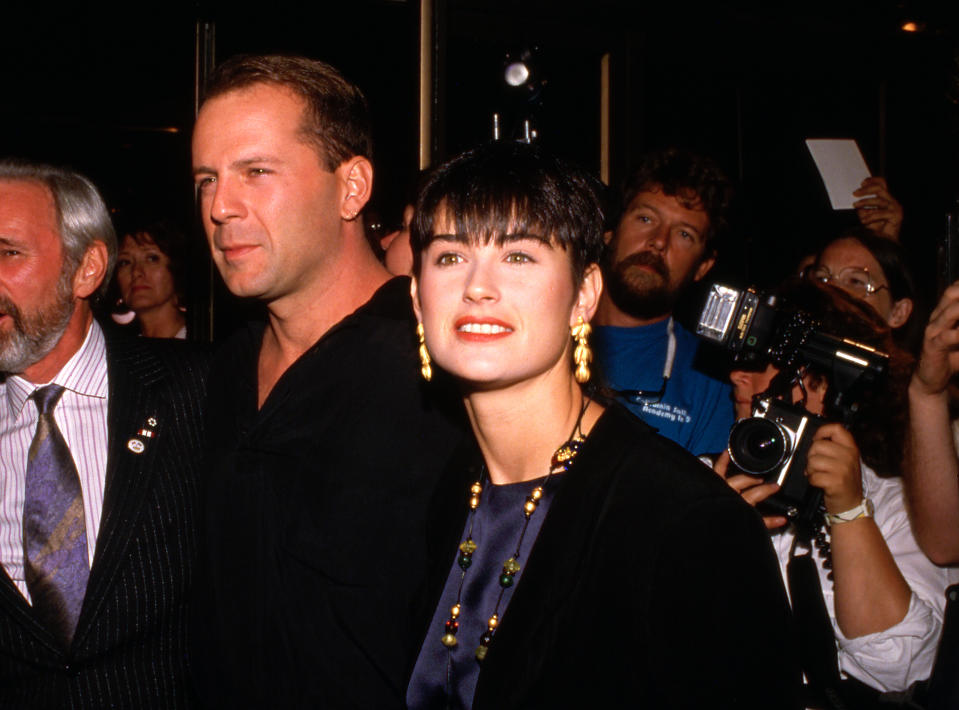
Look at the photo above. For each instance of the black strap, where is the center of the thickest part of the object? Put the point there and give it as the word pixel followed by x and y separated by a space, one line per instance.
pixel 944 681
pixel 825 687
pixel 817 640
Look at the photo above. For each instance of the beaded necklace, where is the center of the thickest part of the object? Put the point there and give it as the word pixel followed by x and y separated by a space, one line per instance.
pixel 561 462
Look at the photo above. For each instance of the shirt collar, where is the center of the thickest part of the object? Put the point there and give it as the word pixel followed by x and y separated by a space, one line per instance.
pixel 84 373
pixel 642 333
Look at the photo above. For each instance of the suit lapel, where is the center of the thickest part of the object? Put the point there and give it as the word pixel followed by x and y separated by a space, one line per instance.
pixel 18 608
pixel 131 465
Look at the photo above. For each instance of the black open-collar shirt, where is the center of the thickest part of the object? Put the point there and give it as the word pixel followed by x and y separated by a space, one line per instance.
pixel 316 505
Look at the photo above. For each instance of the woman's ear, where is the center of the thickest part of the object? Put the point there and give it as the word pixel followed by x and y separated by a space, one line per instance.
pixel 589 292
pixel 415 295
pixel 901 310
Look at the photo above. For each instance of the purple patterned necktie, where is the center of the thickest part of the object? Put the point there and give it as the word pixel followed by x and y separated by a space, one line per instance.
pixel 55 560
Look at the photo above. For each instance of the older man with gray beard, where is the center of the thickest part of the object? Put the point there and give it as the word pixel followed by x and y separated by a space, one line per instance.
pixel 99 457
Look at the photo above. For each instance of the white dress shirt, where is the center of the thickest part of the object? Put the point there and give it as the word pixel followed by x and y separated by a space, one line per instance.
pixel 904 653
pixel 81 416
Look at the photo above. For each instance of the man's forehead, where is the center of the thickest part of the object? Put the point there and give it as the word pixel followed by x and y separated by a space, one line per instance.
pixel 28 199
pixel 255 92
pixel 258 109
pixel 249 122
pixel 686 198
pixel 27 186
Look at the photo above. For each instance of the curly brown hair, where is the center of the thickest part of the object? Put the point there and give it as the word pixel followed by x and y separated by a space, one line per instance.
pixel 879 425
pixel 695 180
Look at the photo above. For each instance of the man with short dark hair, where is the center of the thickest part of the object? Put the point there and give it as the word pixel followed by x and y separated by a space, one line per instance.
pixel 99 449
pixel 324 443
pixel 674 206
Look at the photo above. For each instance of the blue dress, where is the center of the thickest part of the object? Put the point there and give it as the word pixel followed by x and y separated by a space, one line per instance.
pixel 446 678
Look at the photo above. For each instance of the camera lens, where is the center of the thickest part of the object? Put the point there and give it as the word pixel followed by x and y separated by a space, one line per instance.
pixel 758 446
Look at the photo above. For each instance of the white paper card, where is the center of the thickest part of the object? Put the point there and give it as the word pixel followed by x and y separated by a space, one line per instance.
pixel 841 166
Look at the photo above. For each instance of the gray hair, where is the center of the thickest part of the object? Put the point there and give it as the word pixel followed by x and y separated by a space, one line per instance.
pixel 82 216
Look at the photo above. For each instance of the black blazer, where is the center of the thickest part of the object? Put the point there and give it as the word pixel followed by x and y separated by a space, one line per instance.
pixel 651 585
pixel 130 645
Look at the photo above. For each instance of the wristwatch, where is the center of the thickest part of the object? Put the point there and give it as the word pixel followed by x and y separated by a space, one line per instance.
pixel 865 509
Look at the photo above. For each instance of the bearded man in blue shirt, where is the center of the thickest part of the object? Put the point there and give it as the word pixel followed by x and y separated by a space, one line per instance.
pixel 674 205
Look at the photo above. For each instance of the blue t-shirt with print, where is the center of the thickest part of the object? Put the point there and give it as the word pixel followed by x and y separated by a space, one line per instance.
pixel 696 410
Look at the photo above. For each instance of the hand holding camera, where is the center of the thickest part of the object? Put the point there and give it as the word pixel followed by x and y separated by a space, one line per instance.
pixel 832 464
pixel 753 490
pixel 773 445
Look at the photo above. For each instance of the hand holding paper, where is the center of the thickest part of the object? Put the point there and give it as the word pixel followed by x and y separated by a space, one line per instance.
pixel 878 210
pixel 841 166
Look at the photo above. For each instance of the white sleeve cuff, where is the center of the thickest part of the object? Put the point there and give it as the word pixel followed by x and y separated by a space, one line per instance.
pixel 893 659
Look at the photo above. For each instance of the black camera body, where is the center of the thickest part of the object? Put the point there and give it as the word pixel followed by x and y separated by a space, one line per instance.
pixel 756 330
pixel 773 443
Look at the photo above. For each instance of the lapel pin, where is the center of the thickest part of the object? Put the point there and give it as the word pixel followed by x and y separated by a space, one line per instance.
pixel 138 446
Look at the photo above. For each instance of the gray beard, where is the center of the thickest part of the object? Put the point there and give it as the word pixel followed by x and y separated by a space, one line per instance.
pixel 35 334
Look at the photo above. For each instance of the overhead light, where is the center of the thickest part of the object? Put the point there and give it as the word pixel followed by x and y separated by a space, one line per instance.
pixel 520 69
pixel 523 83
pixel 516 74
pixel 911 26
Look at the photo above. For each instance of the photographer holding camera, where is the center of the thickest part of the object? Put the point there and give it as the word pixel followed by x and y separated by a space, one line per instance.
pixel 883 597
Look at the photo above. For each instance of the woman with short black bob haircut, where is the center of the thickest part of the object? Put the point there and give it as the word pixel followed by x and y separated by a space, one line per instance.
pixel 574 553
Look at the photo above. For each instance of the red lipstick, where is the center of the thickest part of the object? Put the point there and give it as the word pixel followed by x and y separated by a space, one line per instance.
pixel 481 329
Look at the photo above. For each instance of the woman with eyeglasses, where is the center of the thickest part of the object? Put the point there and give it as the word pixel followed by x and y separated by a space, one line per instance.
pixel 578 560
pixel 882 598
pixel 873 270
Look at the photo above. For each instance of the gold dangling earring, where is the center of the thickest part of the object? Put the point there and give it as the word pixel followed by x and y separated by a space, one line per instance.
pixel 425 368
pixel 582 355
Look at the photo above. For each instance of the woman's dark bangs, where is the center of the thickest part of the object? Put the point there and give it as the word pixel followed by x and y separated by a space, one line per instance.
pixel 490 215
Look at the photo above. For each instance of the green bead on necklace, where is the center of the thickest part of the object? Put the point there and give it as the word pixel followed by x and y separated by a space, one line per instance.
pixel 560 462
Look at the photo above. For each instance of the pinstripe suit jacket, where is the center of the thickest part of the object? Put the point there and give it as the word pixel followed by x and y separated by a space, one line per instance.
pixel 130 645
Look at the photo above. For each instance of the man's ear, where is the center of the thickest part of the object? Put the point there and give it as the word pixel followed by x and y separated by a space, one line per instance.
pixel 357 176
pixel 92 270
pixel 704 266
pixel 588 298
pixel 901 310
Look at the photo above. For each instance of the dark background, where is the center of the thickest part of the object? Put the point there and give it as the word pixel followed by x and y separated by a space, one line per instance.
pixel 112 93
